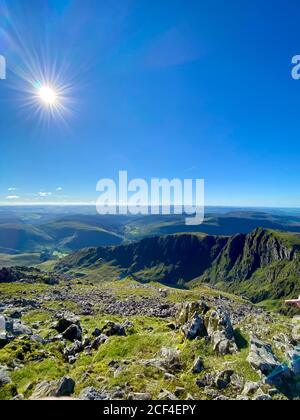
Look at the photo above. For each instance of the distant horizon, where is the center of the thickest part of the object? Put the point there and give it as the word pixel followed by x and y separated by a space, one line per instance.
pixel 87 204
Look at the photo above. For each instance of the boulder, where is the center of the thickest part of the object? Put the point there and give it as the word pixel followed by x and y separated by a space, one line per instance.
pixel 4 376
pixel 92 394
pixel 186 311
pixel 112 328
pixel 179 391
pixel 223 379
pixel 166 396
pixel 261 356
pixel 97 342
pixel 72 333
pixel 73 350
pixel 20 329
pixel 194 327
pixel 168 360
pixel 250 388
pixel 65 387
pixel 64 321
pixel 140 396
pixel 198 366
pixel 62 388
pixel 220 331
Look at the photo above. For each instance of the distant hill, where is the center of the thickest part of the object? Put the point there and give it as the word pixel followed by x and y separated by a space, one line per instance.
pixel 73 235
pixel 26 231
pixel 60 234
pixel 23 238
pixel 263 264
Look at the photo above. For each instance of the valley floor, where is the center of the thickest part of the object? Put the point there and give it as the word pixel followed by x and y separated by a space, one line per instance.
pixel 144 352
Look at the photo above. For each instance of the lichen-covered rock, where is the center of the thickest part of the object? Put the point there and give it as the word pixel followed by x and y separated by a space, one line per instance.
pixel 186 311
pixel 167 360
pixel 62 388
pixel 220 331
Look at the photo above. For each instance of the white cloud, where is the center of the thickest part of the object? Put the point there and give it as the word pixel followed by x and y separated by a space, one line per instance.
pixel 11 189
pixel 12 197
pixel 45 194
pixel 59 189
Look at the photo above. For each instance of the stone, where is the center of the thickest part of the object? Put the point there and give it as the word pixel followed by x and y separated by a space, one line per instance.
pixel 112 328
pixel 95 344
pixel 73 350
pixel 261 356
pixel 166 396
pixel 170 359
pixel 65 387
pixel 4 376
pixel 198 366
pixel 179 391
pixel 72 333
pixel 237 382
pixel 222 379
pixel 96 332
pixel 65 320
pixel 128 324
pixel 250 388
pixel 185 312
pixel 20 329
pixel 220 331
pixel 140 396
pixel 163 293
pixel 92 394
pixel 195 327
pixel 260 396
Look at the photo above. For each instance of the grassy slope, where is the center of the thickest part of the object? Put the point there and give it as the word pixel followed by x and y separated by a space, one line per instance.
pixel 23 238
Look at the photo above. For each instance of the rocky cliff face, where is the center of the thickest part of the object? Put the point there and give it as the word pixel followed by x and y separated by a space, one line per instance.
pixel 173 257
pixel 244 254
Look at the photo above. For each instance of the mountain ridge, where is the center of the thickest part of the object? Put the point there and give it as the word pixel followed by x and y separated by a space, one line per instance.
pixel 263 264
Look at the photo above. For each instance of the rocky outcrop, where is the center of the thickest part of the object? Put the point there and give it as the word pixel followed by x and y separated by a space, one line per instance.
pixel 261 356
pixel 62 388
pixel 167 360
pixel 10 329
pixel 220 331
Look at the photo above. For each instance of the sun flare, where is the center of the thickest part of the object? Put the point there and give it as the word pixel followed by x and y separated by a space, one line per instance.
pixel 47 95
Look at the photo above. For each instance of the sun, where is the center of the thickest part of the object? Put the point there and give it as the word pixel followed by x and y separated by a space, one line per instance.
pixel 47 95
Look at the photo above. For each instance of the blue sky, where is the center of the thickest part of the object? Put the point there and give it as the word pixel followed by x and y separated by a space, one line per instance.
pixel 161 88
